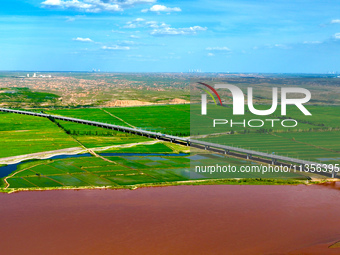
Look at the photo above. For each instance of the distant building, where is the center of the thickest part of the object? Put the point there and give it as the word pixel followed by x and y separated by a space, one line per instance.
pixel 28 75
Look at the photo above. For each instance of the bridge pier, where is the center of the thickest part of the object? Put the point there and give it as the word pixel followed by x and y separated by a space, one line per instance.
pixel 334 173
pixel 226 152
pixel 249 156
pixel 302 168
pixel 274 161
pixel 206 147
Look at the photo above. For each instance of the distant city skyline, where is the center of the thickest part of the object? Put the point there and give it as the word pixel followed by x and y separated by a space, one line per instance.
pixel 272 36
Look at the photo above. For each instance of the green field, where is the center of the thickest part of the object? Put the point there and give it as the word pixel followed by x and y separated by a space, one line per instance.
pixel 153 148
pixel 323 118
pixel 92 171
pixel 21 134
pixel 18 97
pixel 314 138
pixel 175 119
pixel 122 172
pixel 321 147
pixel 168 119
pixel 92 137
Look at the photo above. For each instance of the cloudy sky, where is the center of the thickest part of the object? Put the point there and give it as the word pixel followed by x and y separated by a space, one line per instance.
pixel 171 36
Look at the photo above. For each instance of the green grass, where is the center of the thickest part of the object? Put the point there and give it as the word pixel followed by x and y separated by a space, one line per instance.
pixel 27 134
pixel 308 145
pixel 170 119
pixel 175 119
pixel 88 171
pixel 24 96
pixel 92 137
pixel 21 134
pixel 314 144
pixel 99 141
pixel 323 117
pixel 122 172
pixel 20 182
pixel 153 148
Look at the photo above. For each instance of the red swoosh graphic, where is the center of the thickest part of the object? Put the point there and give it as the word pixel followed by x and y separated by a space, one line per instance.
pixel 213 90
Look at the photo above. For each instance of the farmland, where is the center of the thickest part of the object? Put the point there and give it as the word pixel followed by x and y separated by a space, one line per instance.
pixel 156 102
pixel 25 97
pixel 315 138
pixel 120 172
pixel 169 119
pixel 26 134
pixel 323 147
pixel 92 171
pixel 175 119
pixel 92 137
pixel 323 118
pixel 21 134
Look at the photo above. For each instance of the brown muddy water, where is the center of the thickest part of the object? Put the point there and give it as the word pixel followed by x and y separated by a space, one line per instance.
pixel 173 220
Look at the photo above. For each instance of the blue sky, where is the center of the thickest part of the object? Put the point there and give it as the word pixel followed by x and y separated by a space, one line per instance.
pixel 271 36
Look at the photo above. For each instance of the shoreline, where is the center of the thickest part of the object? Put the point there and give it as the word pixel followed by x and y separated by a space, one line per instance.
pixel 254 182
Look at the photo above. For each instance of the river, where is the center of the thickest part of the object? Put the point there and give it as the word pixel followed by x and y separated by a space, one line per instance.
pixel 216 219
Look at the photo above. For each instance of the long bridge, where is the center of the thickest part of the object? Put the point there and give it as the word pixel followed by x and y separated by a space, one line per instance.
pixel 249 154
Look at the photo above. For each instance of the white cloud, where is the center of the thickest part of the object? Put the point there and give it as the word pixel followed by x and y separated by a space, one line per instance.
pixel 139 19
pixel 161 28
pixel 167 30
pixel 336 36
pixel 312 42
pixel 218 49
pixel 70 19
pixel 211 54
pixel 139 22
pixel 80 39
pixel 117 31
pixel 282 46
pixel 94 5
pixel 335 21
pixel 116 47
pixel 273 46
pixel 74 18
pixel 162 8
pixel 52 2
pixel 126 43
pixel 134 23
pixel 134 36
